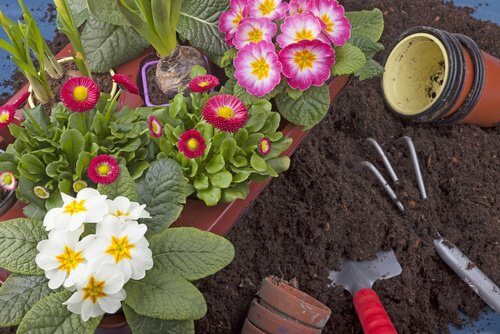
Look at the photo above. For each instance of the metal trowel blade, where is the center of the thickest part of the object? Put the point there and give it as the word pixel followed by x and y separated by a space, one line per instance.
pixel 355 276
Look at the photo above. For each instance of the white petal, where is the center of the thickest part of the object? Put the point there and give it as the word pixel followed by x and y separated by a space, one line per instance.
pixel 66 198
pixel 122 203
pixel 134 231
pixel 88 193
pixel 114 284
pixel 96 210
pixel 76 221
pixel 109 305
pixel 46 262
pixel 49 221
pixel 57 280
pixel 75 298
pixel 88 309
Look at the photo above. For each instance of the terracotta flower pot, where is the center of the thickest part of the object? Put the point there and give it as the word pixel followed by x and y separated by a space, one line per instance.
pixel 294 303
pixel 433 76
pixel 249 328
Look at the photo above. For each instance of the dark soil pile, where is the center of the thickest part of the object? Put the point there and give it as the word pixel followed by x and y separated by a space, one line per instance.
pixel 322 209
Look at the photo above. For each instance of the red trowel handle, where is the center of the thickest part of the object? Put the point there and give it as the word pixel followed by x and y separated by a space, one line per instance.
pixel 371 313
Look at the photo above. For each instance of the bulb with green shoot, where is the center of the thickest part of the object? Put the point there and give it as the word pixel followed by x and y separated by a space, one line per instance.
pixel 156 21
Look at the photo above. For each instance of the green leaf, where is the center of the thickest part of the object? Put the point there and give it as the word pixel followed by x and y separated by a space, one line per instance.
pixel 163 191
pixel 197 71
pixel 107 11
pixel 198 24
pixel 50 316
pixel 211 196
pixel 348 60
pixel 108 46
pixel 221 179
pixel 296 93
pixel 258 163
pixel 239 191
pixel 18 294
pixel 72 144
pixel 165 296
pixel 216 164
pixel 367 45
pixel 308 110
pixel 79 10
pixel 145 325
pixel 367 23
pixel 31 167
pixel 280 165
pixel 78 121
pixel 18 241
pixel 191 253
pixel 34 211
pixel 372 69
pixel 123 186
pixel 82 163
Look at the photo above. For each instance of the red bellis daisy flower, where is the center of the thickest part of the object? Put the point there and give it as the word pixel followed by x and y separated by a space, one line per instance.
pixel 203 83
pixel 126 83
pixel 225 112
pixel 155 127
pixel 192 144
pixel 7 113
pixel 103 169
pixel 264 146
pixel 8 181
pixel 80 94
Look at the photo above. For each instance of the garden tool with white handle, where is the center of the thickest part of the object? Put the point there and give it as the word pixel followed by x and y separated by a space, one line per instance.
pixel 358 279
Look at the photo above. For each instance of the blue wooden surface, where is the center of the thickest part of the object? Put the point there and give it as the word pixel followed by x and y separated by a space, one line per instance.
pixel 489 323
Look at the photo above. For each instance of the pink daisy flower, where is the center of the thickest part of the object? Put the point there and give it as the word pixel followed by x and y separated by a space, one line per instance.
pixel 192 144
pixel 253 30
pixel 8 181
pixel 298 28
pixel 307 63
pixel 272 9
pixel 126 83
pixel 299 6
pixel 203 83
pixel 80 94
pixel 155 127
pixel 103 169
pixel 264 146
pixel 230 20
pixel 335 25
pixel 258 68
pixel 21 100
pixel 225 112
pixel 7 113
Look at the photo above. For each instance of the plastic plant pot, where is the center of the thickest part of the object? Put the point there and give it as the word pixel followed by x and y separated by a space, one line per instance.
pixel 272 322
pixel 293 303
pixel 114 324
pixel 433 76
pixel 249 328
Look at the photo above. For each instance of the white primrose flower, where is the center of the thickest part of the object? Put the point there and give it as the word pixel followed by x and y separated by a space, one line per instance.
pixel 98 292
pixel 61 257
pixel 123 245
pixel 89 206
pixel 125 210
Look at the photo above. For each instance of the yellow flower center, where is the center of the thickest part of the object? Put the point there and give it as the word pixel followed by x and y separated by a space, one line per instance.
pixel 328 23
pixel 204 84
pixel 80 93
pixel 120 248
pixel 260 68
pixel 255 36
pixel 120 213
pixel 69 259
pixel 4 117
pixel 193 144
pixel 155 127
pixel 225 112
pixel 103 169
pixel 7 179
pixel 94 290
pixel 304 34
pixel 75 207
pixel 264 146
pixel 238 18
pixel 304 59
pixel 266 7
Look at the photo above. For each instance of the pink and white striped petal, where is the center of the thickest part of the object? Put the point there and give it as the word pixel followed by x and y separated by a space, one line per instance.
pixel 254 30
pixel 307 63
pixel 334 23
pixel 299 6
pixel 272 9
pixel 231 19
pixel 298 28
pixel 258 69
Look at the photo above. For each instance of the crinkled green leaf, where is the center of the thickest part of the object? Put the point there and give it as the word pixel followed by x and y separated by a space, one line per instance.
pixel 141 324
pixel 348 60
pixel 79 10
pixel 123 186
pixel 108 46
pixel 50 316
pixel 163 191
pixel 18 294
pixel 18 241
pixel 191 253
pixel 367 45
pixel 199 23
pixel 308 110
pixel 367 23
pixel 165 295
pixel 372 69
pixel 107 11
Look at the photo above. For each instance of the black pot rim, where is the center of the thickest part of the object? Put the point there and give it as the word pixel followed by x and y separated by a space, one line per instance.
pixel 457 71
pixel 8 202
pixel 478 84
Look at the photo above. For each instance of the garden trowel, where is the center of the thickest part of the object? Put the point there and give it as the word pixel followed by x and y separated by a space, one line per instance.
pixel 358 279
